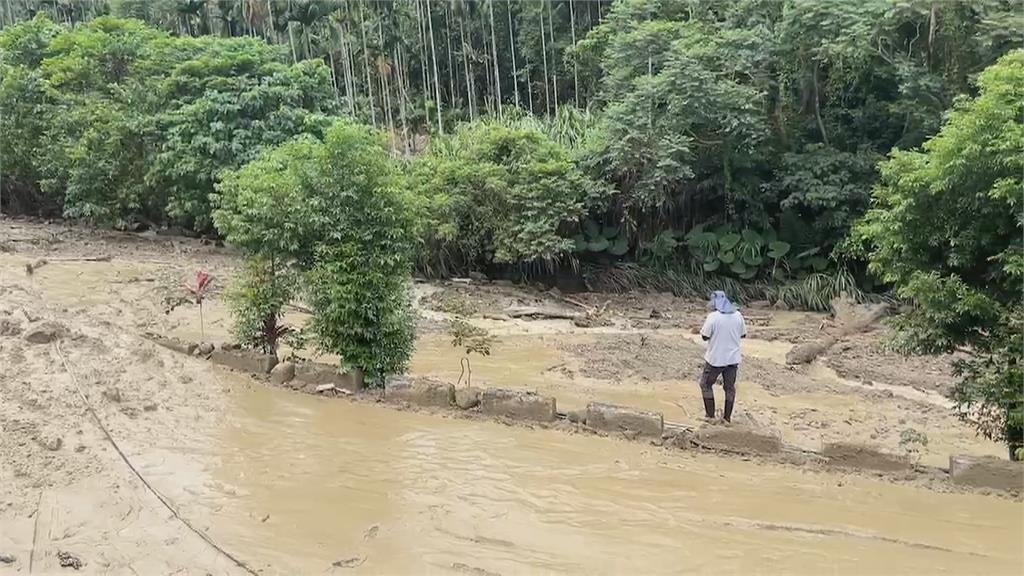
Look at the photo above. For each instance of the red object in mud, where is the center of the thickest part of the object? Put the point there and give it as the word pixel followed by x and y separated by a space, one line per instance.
pixel 202 283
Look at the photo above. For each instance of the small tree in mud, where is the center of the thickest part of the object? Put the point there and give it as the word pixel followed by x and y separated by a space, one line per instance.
pixel 197 290
pixel 474 339
pixel 913 443
pixel 257 299
pixel 330 214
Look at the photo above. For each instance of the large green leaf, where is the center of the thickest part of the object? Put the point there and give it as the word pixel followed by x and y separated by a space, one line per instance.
pixel 711 265
pixel 610 232
pixel 738 267
pixel 729 241
pixel 591 229
pixel 752 259
pixel 752 237
pixel 750 273
pixel 819 263
pixel 619 247
pixel 581 242
pixel 778 249
pixel 598 245
pixel 727 257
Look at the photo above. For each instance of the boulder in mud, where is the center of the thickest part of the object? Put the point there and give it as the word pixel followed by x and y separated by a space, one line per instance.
pixel 612 418
pixel 309 375
pixel 987 472
pixel 517 404
pixel 172 343
pixel 205 349
pixel 44 333
pixel 420 392
pixel 244 360
pixel 9 327
pixel 467 398
pixel 857 456
pixel 737 439
pixel 282 373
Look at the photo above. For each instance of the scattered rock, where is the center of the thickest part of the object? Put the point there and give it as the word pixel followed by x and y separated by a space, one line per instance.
pixel 149 407
pixel 80 448
pixel 113 394
pixel 52 444
pixel 8 558
pixel 324 388
pixel 9 327
pixel 69 560
pixel 575 417
pixel 349 562
pixel 466 398
pixel 44 333
pixel 371 532
pixel 655 314
pixel 478 276
pixel 282 373
pixel 204 349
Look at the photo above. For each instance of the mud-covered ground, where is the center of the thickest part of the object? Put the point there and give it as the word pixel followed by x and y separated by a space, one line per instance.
pixel 64 490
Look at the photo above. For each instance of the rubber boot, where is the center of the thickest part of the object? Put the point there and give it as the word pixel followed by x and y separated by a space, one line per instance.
pixel 727 414
pixel 709 407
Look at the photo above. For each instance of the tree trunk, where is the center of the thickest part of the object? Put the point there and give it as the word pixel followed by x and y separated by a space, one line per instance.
pixel 554 60
pixel 366 65
pixel 494 50
pixel 400 63
pixel 424 69
pixel 817 106
pixel 437 78
pixel 529 85
pixel 452 97
pixel 575 66
pixel 469 73
pixel 544 53
pixel 512 49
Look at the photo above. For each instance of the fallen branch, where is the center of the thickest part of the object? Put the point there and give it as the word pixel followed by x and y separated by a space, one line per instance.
pixel 536 313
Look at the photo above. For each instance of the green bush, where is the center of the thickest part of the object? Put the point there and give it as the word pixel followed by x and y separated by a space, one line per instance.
pixel 494 194
pixel 257 298
pixel 331 211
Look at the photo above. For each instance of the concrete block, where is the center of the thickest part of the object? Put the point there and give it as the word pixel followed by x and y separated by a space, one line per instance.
pixel 244 360
pixel 517 404
pixel 612 418
pixel 420 392
pixel 987 472
pixel 172 343
pixel 309 375
pixel 737 438
pixel 863 457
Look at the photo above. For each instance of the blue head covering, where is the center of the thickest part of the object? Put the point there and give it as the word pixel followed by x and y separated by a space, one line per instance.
pixel 719 301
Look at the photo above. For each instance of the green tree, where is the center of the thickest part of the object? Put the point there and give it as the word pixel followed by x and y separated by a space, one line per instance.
pixel 333 211
pixel 945 229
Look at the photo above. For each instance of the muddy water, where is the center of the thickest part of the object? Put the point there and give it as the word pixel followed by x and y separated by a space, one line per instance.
pixel 316 481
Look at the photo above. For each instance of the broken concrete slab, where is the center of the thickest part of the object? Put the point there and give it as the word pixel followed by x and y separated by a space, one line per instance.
pixel 244 360
pixel 467 398
pixel 420 392
pixel 172 343
pixel 863 457
pixel 612 418
pixel 517 404
pixel 312 374
pixel 987 472
pixel 737 438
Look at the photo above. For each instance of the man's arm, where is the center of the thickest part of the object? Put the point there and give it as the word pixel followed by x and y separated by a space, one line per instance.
pixel 708 329
pixel 743 322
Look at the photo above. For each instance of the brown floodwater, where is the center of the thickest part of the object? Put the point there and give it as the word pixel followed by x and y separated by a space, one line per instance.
pixel 309 482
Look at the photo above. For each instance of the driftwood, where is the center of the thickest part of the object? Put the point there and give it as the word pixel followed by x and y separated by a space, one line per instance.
pixel 808 351
pixel 538 313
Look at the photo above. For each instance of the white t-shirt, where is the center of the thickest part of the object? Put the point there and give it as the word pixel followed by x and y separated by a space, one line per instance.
pixel 723 332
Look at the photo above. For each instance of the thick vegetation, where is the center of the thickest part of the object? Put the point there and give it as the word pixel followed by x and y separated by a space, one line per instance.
pixel 946 230
pixel 672 144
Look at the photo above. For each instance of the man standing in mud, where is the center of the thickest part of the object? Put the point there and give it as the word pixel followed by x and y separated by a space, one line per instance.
pixel 722 330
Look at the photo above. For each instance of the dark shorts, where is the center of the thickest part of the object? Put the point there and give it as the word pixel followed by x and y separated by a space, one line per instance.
pixel 711 374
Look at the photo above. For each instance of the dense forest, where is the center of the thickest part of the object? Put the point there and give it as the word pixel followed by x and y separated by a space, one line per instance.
pixel 780 149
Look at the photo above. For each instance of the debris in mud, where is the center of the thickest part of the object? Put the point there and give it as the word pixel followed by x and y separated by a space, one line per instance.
pixel 371 533
pixel 204 349
pixel 44 333
pixel 149 407
pixel 353 562
pixel 8 558
pixel 467 569
pixel 69 560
